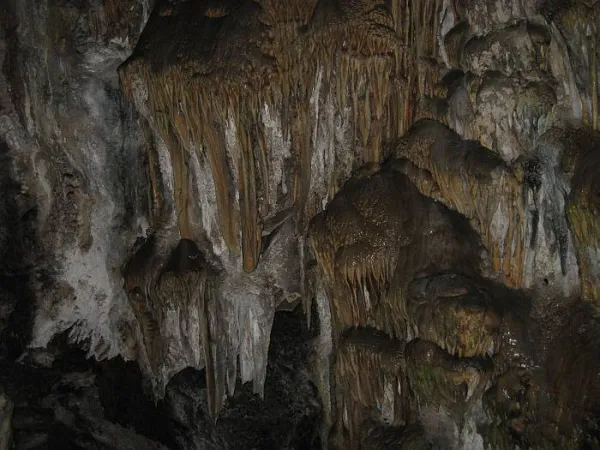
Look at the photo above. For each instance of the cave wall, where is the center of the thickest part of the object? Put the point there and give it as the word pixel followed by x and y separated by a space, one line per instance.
pixel 422 174
pixel 78 155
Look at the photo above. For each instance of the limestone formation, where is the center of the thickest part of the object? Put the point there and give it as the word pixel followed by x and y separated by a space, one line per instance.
pixel 418 178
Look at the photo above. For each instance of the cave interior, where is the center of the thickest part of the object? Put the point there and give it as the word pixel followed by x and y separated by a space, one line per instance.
pixel 299 224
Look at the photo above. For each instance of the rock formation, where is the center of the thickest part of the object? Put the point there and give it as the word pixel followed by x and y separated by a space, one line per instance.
pixel 184 178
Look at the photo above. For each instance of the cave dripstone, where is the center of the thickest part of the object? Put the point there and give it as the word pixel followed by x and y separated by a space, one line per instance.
pixel 299 224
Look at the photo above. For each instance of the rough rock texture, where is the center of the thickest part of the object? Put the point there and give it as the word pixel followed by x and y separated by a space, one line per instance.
pixel 418 176
pixel 56 398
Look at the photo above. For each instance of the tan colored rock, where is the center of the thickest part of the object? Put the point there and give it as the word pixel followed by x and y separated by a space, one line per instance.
pixel 455 313
pixel 441 379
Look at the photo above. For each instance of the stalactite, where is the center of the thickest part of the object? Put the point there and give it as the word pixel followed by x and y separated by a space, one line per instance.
pixel 195 105
pixel 300 139
pixel 264 201
pixel 199 90
pixel 180 161
pixel 251 232
pixel 173 299
pixel 471 179
pixel 359 270
pixel 262 109
pixel 274 12
pixel 594 67
pixel 156 183
pixel 368 361
pixel 443 380
pixel 210 137
pixel 581 160
pixel 369 277
pixel 455 313
pixel 150 329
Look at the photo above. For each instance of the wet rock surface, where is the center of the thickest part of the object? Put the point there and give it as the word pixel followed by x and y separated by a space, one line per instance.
pixel 239 224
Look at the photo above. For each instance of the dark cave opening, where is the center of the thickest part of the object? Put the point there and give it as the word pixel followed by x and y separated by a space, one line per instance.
pixel 55 406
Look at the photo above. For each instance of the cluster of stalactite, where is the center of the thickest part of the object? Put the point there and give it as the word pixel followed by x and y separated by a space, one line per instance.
pixel 179 295
pixel 429 333
pixel 266 56
pixel 491 144
pixel 522 84
pixel 376 305
pixel 581 161
pixel 475 182
pixel 374 236
pixel 467 188
pixel 240 91
pixel 368 369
